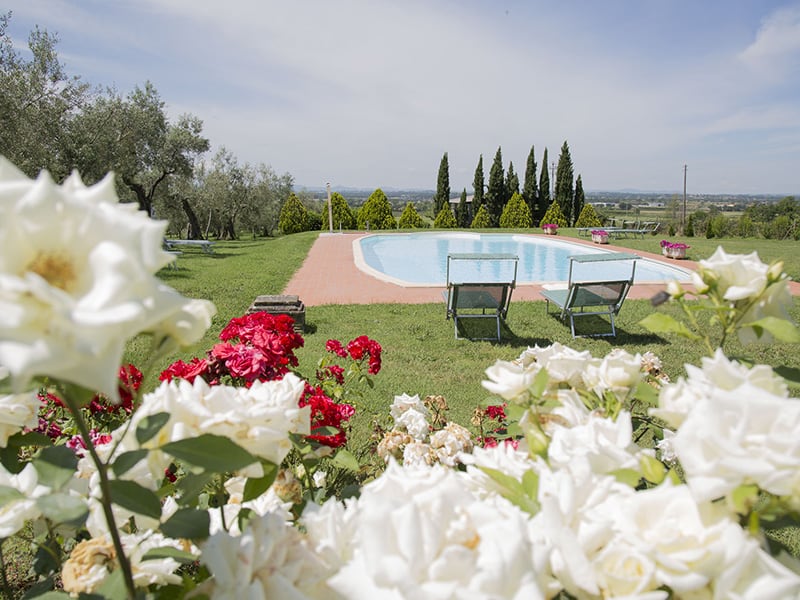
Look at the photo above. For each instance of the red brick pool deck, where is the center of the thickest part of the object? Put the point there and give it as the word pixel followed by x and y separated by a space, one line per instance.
pixel 329 275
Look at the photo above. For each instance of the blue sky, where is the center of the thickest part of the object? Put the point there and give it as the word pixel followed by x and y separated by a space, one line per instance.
pixel 371 93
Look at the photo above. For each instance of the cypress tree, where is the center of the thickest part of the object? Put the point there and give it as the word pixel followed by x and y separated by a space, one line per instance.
pixel 462 211
pixel 580 198
pixel 512 182
pixel 530 191
pixel 477 186
pixel 565 176
pixel 544 185
pixel 496 194
pixel 442 196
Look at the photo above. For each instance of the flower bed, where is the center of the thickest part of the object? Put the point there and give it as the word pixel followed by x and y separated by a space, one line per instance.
pixel 599 236
pixel 674 249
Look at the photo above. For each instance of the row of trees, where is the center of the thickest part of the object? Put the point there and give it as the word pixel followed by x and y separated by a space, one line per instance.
pixel 503 185
pixel 57 122
pixel 775 220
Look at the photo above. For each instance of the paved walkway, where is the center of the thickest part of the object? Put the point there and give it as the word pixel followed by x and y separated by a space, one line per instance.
pixel 329 276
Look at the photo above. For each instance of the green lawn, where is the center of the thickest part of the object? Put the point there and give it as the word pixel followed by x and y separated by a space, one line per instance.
pixel 421 355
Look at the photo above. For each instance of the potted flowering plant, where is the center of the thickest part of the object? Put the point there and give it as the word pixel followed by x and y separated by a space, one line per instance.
pixel 674 249
pixel 550 228
pixel 599 236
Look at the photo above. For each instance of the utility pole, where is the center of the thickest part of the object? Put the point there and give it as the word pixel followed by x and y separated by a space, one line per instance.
pixel 683 219
pixel 330 210
pixel 552 180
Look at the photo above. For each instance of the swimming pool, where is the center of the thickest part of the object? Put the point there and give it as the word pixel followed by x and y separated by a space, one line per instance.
pixel 420 259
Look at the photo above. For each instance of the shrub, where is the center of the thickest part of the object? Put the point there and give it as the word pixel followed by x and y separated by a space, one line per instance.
pixel 445 219
pixel 516 213
pixel 410 219
pixel 745 227
pixel 482 219
pixel 342 213
pixel 588 217
pixel 377 212
pixel 778 229
pixel 294 216
pixel 554 215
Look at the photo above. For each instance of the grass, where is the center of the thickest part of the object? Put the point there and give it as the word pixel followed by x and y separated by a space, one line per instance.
pixel 421 355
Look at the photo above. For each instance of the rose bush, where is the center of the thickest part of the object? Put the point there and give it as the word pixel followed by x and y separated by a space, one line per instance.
pixel 211 485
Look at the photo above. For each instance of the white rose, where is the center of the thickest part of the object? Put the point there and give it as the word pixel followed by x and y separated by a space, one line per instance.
pixel 421 533
pixel 77 279
pixel 15 513
pixel 606 444
pixel 405 402
pixel 563 364
pixel 415 423
pixel 449 441
pixel 738 276
pixel 696 548
pixel 17 411
pixel 270 559
pixel 259 418
pixel 617 372
pixel 718 372
pixel 510 381
pixel 746 435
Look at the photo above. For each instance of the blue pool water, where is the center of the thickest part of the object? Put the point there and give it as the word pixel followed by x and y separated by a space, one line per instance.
pixel 421 259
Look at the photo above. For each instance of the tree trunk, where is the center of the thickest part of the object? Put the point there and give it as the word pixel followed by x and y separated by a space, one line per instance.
pixel 195 232
pixel 228 231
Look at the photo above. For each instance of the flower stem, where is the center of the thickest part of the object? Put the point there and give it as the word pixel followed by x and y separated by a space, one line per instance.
pixel 105 500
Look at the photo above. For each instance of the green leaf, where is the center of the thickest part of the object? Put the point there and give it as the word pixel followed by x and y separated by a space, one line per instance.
pixel 169 552
pixel 187 523
pixel 9 458
pixel 10 494
pixel 660 323
pixel 513 490
pixel 790 374
pixel 56 466
pixel 127 460
pixel 744 498
pixel 254 487
pixel 213 453
pixel 646 393
pixel 52 596
pixel 530 483
pixel 539 384
pixel 149 427
pixel 191 486
pixel 346 460
pixel 325 431
pixel 135 498
pixel 31 438
pixel 781 329
pixel 629 477
pixel 652 469
pixel 113 585
pixel 63 508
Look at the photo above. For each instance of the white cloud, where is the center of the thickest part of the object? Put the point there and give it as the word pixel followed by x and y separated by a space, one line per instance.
pixel 776 49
